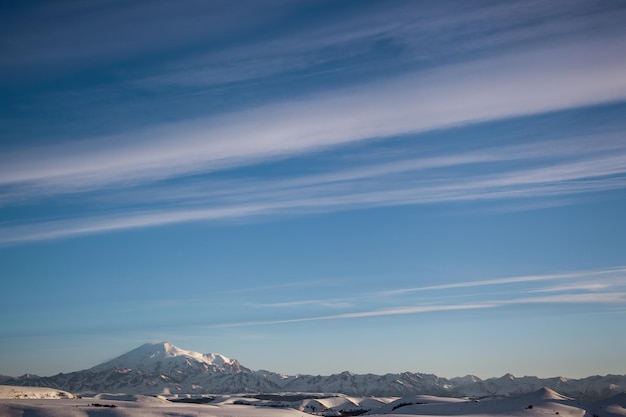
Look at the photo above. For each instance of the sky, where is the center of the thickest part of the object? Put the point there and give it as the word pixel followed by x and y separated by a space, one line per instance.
pixel 315 186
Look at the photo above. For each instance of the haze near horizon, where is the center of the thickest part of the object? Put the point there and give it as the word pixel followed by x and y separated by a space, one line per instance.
pixel 315 186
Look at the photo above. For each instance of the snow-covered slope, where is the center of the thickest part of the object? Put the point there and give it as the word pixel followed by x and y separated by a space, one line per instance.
pixel 543 402
pixel 12 392
pixel 539 403
pixel 92 407
pixel 162 368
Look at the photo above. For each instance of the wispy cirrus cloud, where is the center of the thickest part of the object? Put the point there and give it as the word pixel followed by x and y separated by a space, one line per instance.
pixel 411 31
pixel 363 314
pixel 195 170
pixel 596 298
pixel 592 286
pixel 590 281
pixel 608 288
pixel 486 90
pixel 620 271
pixel 553 169
pixel 218 113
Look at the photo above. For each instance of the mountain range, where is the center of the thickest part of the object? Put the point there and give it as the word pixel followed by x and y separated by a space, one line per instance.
pixel 164 369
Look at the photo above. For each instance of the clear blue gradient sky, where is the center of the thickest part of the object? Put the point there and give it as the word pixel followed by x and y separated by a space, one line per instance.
pixel 315 186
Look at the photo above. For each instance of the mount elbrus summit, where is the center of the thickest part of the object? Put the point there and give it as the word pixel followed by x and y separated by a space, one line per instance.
pixel 162 368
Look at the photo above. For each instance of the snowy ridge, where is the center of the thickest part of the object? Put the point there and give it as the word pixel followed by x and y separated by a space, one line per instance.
pixel 164 369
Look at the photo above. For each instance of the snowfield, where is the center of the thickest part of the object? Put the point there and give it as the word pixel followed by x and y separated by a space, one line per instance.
pixel 544 402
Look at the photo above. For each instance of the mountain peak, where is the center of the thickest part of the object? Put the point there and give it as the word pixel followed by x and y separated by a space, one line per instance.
pixel 164 349
pixel 166 357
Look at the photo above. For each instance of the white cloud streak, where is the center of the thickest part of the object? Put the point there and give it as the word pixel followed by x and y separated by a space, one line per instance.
pixel 594 298
pixel 398 183
pixel 364 314
pixel 602 298
pixel 548 80
pixel 412 29
pixel 594 286
pixel 591 281
pixel 587 298
pixel 534 82
pixel 512 280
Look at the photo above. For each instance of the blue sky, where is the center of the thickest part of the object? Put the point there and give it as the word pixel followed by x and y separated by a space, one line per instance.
pixel 315 186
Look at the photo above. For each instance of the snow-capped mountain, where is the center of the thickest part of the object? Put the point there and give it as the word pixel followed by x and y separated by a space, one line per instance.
pixel 162 368
pixel 168 359
pixel 158 368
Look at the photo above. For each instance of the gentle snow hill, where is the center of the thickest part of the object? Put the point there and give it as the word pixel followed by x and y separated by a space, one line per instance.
pixel 130 397
pixel 540 403
pixel 11 392
pixel 88 407
pixel 332 405
pixel 370 403
pixel 546 393
pixel 398 405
